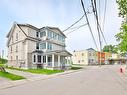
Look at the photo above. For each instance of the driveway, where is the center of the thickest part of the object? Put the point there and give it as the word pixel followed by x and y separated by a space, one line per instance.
pixel 105 80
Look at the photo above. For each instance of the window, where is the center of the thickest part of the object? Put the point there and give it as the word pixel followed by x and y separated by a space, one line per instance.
pixel 16 57
pixel 37 45
pixel 61 38
pixel 42 45
pixel 34 58
pixel 16 48
pixel 11 58
pixel 55 35
pixel 49 59
pixel 37 34
pixel 16 36
pixel 78 61
pixel 39 58
pixel 44 59
pixel 82 60
pixel 11 48
pixel 49 34
pixel 42 34
pixel 12 38
pixel 49 46
pixel 82 54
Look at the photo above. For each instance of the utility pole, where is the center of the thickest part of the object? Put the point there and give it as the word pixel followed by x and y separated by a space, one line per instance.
pixel 98 29
pixel 88 23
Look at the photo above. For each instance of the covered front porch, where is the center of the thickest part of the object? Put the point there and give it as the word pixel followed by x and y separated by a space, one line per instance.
pixel 52 60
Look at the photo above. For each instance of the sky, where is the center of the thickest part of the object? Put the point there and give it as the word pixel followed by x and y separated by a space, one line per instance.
pixel 61 14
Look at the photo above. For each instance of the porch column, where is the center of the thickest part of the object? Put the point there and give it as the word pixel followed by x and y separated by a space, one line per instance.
pixel 59 65
pixel 53 65
pixel 46 60
pixel 67 60
pixel 41 59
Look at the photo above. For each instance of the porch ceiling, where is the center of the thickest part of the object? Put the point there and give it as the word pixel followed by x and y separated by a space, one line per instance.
pixel 59 52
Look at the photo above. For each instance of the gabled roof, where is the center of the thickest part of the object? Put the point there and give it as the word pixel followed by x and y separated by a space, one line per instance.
pixel 29 25
pixel 19 26
pixel 90 49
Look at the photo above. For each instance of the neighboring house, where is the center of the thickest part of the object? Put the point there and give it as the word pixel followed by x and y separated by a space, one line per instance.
pixel 84 57
pixel 117 59
pixel 101 57
pixel 31 47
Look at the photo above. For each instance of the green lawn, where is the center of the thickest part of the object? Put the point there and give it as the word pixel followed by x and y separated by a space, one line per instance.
pixel 44 71
pixel 1 64
pixel 39 71
pixel 75 68
pixel 10 76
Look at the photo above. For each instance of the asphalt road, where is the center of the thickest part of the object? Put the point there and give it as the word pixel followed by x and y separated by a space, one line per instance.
pixel 105 80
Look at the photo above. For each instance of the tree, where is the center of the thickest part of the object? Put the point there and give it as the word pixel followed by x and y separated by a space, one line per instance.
pixel 122 4
pixel 110 48
pixel 121 37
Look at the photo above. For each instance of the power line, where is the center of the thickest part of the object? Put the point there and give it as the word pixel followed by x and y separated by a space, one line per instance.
pixel 77 28
pixel 99 10
pixel 98 26
pixel 88 24
pixel 73 24
pixel 104 14
pixel 99 35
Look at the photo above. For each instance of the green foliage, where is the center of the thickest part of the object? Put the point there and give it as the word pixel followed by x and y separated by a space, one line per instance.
pixel 3 61
pixel 122 8
pixel 121 37
pixel 110 48
pixel 10 76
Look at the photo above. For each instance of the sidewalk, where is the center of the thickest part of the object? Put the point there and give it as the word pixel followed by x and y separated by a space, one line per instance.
pixel 30 77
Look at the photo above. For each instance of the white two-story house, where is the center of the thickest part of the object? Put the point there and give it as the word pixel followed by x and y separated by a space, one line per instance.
pixel 85 57
pixel 31 47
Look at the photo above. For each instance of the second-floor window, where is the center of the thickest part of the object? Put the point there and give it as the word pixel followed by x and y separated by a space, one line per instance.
pixel 49 46
pixel 37 45
pixel 42 34
pixel 16 48
pixel 42 45
pixel 37 34
pixel 16 57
